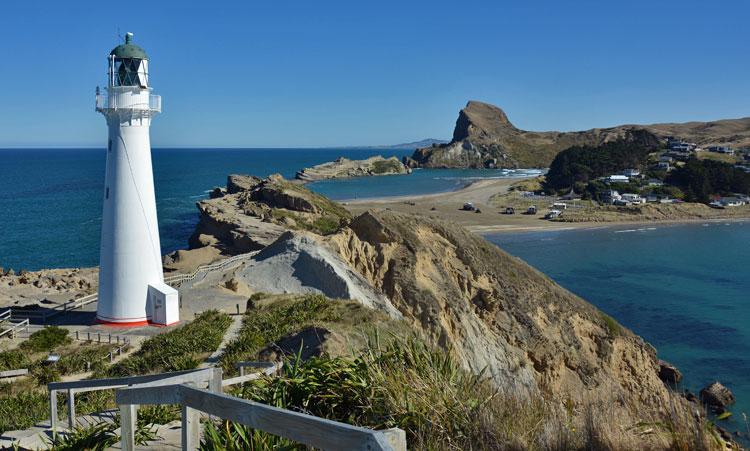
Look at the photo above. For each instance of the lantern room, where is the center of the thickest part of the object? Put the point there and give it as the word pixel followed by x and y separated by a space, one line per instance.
pixel 128 65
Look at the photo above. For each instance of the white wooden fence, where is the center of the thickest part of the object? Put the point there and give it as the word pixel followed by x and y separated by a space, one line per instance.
pixel 299 427
pixel 210 376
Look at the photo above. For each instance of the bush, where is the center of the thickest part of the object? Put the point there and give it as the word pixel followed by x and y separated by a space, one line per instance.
pixel 177 350
pixel 13 360
pixel 46 340
pixel 263 326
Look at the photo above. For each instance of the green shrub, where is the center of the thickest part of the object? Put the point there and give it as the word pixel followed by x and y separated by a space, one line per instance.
pixel 46 340
pixel 97 437
pixel 23 410
pixel 263 326
pixel 13 360
pixel 176 350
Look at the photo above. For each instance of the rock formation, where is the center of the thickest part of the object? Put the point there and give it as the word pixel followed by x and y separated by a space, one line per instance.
pixel 299 263
pixel 54 285
pixel 717 396
pixel 496 314
pixel 251 214
pixel 344 168
pixel 485 137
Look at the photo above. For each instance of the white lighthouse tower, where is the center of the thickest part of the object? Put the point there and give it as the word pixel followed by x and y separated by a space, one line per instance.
pixel 131 280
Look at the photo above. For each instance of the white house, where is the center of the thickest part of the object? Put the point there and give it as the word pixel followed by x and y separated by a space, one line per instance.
pixel 631 172
pixel 616 178
pixel 633 198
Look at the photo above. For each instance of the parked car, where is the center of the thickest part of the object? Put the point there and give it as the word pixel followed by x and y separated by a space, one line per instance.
pixel 552 214
pixel 468 206
pixel 510 210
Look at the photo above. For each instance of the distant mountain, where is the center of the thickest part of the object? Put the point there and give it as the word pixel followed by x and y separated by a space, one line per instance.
pixel 412 145
pixel 485 137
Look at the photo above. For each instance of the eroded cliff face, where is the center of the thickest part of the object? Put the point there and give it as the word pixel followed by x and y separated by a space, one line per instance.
pixel 485 137
pixel 496 314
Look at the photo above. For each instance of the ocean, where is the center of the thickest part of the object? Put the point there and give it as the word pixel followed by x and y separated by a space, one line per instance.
pixel 51 199
pixel 683 288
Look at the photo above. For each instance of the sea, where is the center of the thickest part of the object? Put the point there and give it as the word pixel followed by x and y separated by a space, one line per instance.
pixel 684 288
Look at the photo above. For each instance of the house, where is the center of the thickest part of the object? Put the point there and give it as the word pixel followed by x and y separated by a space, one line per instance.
pixel 655 182
pixel 616 178
pixel 559 205
pixel 731 201
pixel 632 198
pixel 721 149
pixel 610 196
pixel 631 173
pixel 666 159
pixel 663 166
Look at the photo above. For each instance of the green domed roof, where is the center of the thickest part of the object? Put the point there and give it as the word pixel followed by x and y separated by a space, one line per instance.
pixel 128 50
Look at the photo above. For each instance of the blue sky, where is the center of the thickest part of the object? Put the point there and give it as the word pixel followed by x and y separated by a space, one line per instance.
pixel 307 74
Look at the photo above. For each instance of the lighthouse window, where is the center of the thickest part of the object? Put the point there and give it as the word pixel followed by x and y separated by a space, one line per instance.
pixel 130 72
pixel 106 193
pixel 109 146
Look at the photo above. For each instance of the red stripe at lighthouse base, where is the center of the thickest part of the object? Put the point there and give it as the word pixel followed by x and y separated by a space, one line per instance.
pixel 122 323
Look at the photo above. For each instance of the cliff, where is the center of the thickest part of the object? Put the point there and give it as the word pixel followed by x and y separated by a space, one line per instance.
pixel 494 313
pixel 345 168
pixel 485 137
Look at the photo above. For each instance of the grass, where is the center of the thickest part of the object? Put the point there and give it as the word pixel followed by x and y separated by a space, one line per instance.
pixel 263 326
pixel 613 327
pixel 179 349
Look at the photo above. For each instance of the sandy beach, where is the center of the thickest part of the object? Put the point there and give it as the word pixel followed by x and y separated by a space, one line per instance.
pixel 492 219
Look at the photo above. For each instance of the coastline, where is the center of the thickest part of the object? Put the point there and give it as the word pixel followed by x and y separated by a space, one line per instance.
pixel 447 206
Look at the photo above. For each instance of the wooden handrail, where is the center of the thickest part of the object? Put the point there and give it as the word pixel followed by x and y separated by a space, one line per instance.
pixel 197 376
pixel 306 429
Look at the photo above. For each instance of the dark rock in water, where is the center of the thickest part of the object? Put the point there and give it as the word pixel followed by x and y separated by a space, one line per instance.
pixel 669 373
pixel 717 396
pixel 217 193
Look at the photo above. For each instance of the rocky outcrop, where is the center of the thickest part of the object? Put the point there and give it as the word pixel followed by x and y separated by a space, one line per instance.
pixel 345 168
pixel 669 373
pixel 299 263
pixel 254 212
pixel 485 137
pixel 717 396
pixel 496 314
pixel 48 285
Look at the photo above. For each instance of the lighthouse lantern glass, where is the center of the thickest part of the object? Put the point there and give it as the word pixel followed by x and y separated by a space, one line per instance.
pixel 129 72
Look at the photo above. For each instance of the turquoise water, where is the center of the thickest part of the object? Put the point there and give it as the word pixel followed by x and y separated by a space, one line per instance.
pixel 685 289
pixel 50 199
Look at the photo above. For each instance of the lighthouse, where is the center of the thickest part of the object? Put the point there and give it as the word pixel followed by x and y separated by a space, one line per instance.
pixel 131 280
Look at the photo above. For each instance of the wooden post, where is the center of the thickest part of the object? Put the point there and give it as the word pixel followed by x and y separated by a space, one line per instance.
pixel 71 409
pixel 397 438
pixel 238 309
pixel 110 338
pixel 53 411
pixel 128 419
pixel 191 431
pixel 88 336
pixel 76 335
pixel 242 370
pixel 99 338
